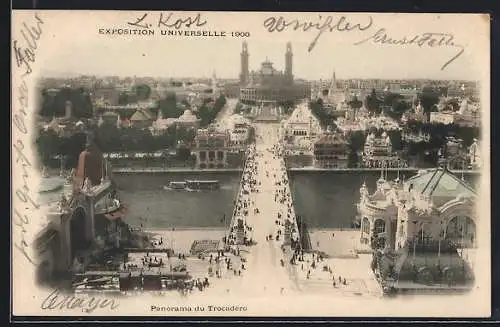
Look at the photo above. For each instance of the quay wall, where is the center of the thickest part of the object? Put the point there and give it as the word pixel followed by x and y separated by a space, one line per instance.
pixel 129 170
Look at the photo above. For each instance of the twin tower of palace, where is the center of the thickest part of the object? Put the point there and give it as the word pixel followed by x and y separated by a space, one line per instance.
pixel 245 72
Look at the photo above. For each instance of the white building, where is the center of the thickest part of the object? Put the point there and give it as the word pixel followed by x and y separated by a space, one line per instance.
pixel 186 120
pixel 468 115
pixel 378 152
pixel 417 114
pixel 239 130
pixel 302 128
pixel 442 117
pixel 160 125
pixel 433 206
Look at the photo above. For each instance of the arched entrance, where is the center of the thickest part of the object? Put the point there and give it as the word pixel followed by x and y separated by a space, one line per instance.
pixel 365 230
pixel 77 232
pixel 461 231
pixel 379 237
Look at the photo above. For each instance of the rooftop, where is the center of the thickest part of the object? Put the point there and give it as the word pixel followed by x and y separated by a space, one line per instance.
pixel 439 182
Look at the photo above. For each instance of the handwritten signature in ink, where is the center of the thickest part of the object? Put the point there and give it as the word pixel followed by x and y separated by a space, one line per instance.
pixel 25 55
pixel 426 39
pixel 324 24
pixel 168 20
pixel 88 304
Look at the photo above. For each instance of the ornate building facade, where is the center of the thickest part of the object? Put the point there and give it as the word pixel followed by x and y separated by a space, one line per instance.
pixel 417 228
pixel 378 152
pixel 87 214
pixel 331 151
pixel 211 149
pixel 269 84
pixel 301 129
pixel 433 205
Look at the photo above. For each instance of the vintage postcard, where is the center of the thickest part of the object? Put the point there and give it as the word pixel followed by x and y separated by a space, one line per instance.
pixel 250 164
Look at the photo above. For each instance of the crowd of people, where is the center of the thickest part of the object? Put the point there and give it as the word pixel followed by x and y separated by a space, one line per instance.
pixel 249 184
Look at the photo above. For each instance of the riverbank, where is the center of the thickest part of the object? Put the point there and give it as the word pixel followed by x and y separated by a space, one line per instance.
pixel 301 169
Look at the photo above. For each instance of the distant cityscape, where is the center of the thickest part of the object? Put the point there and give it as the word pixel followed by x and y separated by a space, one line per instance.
pixel 336 124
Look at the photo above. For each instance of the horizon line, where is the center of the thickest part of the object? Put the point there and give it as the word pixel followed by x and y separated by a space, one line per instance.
pixel 62 75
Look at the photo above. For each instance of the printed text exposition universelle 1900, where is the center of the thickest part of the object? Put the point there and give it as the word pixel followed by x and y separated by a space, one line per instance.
pixel 163 32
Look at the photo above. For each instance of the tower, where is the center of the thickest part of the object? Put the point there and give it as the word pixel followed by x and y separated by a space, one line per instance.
pixel 289 62
pixel 333 86
pixel 68 110
pixel 214 84
pixel 244 64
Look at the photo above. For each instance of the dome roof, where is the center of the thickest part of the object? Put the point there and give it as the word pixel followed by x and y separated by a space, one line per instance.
pixel 141 115
pixel 188 116
pixel 301 114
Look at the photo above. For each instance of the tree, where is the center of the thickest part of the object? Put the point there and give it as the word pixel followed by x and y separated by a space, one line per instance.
pixel 429 98
pixel 142 91
pixel 319 112
pixel 169 107
pixel 372 102
pixel 205 114
pixel 238 108
pixel 48 144
pixel 55 105
pixel 72 147
pixel 355 103
pixel 396 140
pixel 398 107
pixel 123 98
pixel 356 140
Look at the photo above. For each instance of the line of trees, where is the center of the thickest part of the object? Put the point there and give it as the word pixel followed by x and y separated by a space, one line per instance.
pixel 429 98
pixel 426 152
pixel 111 139
pixel 50 145
pixel 108 138
pixel 55 104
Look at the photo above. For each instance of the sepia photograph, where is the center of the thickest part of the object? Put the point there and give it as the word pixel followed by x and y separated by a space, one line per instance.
pixel 250 164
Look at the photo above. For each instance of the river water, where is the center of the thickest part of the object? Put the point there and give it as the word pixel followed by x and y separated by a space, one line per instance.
pixel 323 199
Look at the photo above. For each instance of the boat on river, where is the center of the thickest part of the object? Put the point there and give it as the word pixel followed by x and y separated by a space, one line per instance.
pixel 194 185
pixel 176 186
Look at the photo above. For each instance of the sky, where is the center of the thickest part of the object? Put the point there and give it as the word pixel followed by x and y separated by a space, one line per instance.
pixel 72 45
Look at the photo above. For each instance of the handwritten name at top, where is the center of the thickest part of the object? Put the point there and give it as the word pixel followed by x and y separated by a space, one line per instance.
pixel 322 25
pixel 426 39
pixel 168 20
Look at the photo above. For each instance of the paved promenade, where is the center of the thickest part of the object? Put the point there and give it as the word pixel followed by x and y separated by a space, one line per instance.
pixel 259 206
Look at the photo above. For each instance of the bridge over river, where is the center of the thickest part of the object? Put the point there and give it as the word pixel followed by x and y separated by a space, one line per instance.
pixel 268 206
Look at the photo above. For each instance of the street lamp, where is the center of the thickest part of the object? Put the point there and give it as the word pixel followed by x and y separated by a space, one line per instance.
pixel 414 238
